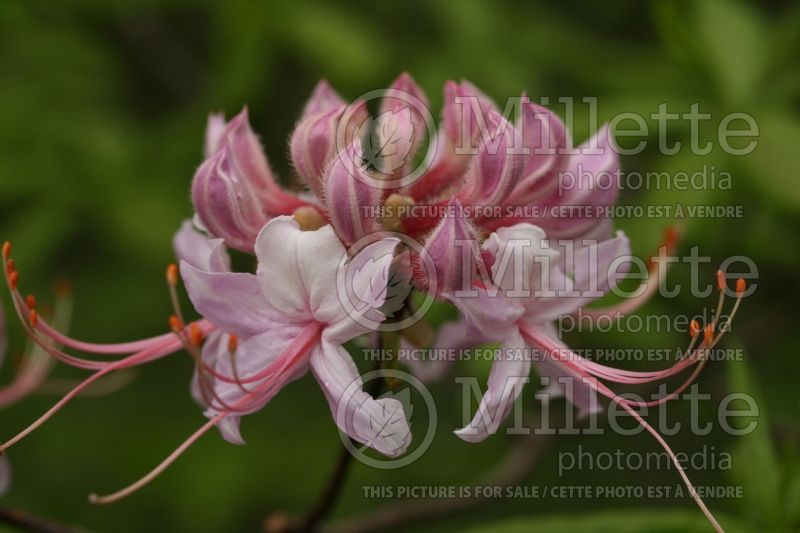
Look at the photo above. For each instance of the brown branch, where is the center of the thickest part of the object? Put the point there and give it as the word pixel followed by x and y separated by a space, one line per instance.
pixel 518 463
pixel 27 522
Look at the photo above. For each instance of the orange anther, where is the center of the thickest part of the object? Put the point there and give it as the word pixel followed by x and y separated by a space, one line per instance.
pixel 721 282
pixel 671 237
pixel 708 333
pixel 13 279
pixel 6 250
pixel 233 343
pixel 741 286
pixel 11 266
pixel 195 334
pixel 33 317
pixel 175 324
pixel 172 274
pixel 694 327
pixel 30 301
pixel 308 218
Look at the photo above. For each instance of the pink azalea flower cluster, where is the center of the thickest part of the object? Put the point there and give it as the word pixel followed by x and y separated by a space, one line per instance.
pixel 499 267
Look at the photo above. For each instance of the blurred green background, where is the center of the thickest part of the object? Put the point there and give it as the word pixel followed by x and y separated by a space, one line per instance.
pixel 101 127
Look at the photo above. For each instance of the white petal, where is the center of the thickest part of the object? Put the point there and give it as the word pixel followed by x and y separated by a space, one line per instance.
pixel 380 424
pixel 506 380
pixel 297 269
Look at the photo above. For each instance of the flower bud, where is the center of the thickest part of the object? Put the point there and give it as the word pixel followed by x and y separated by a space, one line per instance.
pixel 545 136
pixel 496 168
pixel 253 169
pixel 313 145
pixel 323 99
pixel 215 128
pixel 350 192
pixel 318 137
pixel 452 249
pixel 401 123
pixel 390 146
pixel 225 203
pixel 465 110
pixel 592 177
pixel 591 180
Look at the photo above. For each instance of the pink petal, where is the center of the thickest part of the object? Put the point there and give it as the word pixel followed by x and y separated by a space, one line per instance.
pixel 199 251
pixel 214 132
pixel 521 254
pixel 350 191
pixel 410 107
pixel 489 318
pixel 497 166
pixel 452 248
pixel 232 301
pixel 313 144
pixel 225 202
pixel 543 132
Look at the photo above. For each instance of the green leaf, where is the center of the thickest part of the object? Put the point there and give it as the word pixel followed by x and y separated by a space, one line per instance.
pixel 774 165
pixel 733 39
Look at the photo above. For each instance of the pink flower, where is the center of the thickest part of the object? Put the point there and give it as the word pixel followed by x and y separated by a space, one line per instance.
pixel 288 318
pixel 260 331
pixel 527 294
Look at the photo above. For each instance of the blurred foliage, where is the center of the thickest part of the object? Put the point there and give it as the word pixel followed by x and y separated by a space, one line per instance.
pixel 605 522
pixel 101 128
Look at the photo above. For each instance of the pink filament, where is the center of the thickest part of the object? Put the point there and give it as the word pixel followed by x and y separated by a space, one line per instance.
pixel 293 355
pixel 168 346
pixel 535 337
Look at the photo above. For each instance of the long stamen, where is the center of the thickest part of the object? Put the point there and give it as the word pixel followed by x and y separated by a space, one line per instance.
pixel 689 354
pixel 233 344
pixel 741 286
pixel 123 363
pixel 722 287
pixel 172 284
pixel 656 435
pixel 111 498
pixel 37 364
pixel 602 389
pixel 291 356
pixel 192 343
pixel 46 336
